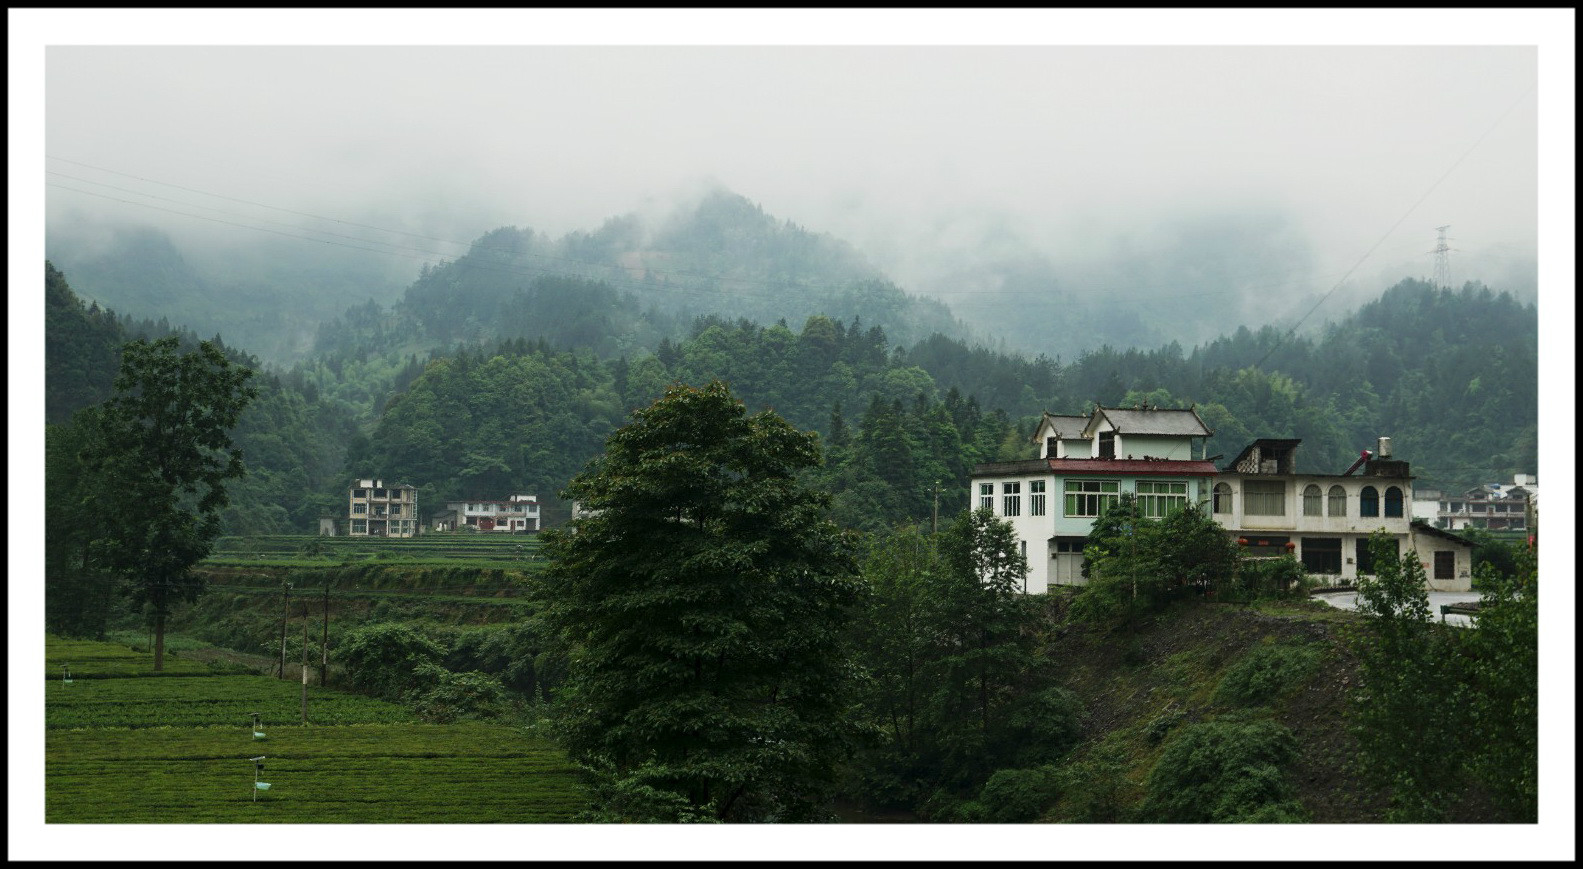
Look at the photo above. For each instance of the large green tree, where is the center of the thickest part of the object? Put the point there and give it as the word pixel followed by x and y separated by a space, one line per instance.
pixel 165 452
pixel 703 604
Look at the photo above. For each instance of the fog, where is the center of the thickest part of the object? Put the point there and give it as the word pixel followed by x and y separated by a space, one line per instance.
pixel 1234 174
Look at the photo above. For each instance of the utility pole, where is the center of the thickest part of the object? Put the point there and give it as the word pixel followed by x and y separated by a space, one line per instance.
pixel 934 524
pixel 324 639
pixel 285 614
pixel 305 663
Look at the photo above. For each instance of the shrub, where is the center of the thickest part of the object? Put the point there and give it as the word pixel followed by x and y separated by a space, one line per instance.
pixel 1044 726
pixel 441 696
pixel 1224 771
pixel 1161 725
pixel 1017 795
pixel 383 658
pixel 1269 578
pixel 1265 673
pixel 1094 790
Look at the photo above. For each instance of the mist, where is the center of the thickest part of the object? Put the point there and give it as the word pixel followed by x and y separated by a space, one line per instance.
pixel 1238 183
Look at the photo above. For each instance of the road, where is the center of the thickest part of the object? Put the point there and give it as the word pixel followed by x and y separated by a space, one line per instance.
pixel 1348 600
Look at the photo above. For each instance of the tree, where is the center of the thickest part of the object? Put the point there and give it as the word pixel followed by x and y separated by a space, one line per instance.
pixel 1411 701
pixel 702 606
pixel 166 453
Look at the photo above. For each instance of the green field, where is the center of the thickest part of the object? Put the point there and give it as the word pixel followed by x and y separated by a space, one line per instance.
pixel 94 660
pixel 207 701
pixel 126 749
pixel 504 551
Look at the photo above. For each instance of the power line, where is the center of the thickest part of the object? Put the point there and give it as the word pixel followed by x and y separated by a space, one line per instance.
pixel 1400 220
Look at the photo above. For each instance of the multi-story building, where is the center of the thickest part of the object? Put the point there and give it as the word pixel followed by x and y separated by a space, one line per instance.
pixel 1324 520
pixel 518 513
pixel 1495 506
pixel 378 510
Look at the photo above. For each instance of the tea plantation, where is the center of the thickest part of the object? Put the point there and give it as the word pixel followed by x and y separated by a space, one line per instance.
pixel 121 748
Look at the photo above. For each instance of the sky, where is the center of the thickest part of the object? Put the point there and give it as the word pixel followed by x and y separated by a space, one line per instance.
pixel 923 138
pixel 922 156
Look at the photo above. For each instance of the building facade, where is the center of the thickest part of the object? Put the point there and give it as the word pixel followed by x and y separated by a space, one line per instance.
pixel 1156 454
pixel 518 514
pixel 1493 506
pixel 377 510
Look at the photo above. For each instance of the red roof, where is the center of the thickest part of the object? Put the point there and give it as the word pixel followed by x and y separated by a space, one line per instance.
pixel 1135 467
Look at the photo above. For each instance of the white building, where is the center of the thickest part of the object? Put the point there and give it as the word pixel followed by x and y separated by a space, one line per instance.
pixel 1324 520
pixel 518 513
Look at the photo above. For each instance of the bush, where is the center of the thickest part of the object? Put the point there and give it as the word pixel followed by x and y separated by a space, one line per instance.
pixel 1269 578
pixel 384 658
pixel 1095 789
pixel 1266 673
pixel 1044 726
pixel 1014 796
pixel 440 696
pixel 1224 771
pixel 1160 726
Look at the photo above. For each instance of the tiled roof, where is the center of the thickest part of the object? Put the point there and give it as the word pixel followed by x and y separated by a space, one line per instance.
pixel 1154 421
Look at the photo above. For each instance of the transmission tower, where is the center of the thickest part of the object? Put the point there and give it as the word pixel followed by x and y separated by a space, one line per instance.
pixel 1442 254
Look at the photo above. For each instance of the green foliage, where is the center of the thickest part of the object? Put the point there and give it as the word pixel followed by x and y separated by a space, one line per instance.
pixel 702 607
pixel 1095 789
pixel 1224 771
pixel 1411 703
pixel 1161 725
pixel 1278 578
pixel 956 687
pixel 163 447
pixel 1135 565
pixel 1014 796
pixel 1267 672
pixel 441 696
pixel 386 659
pixel 1502 655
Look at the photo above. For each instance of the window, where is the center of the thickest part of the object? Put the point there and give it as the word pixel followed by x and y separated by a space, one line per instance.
pixel 1050 447
pixel 1158 500
pixel 1070 544
pixel 1011 499
pixel 395 509
pixel 1338 501
pixel 359 526
pixel 359 493
pixel 1445 565
pixel 1087 499
pixel 1369 501
pixel 1222 498
pixel 1393 503
pixel 1035 497
pixel 379 493
pixel 1107 445
pixel 1264 498
pixel 1322 555
pixel 1313 502
pixel 359 508
pixel 986 496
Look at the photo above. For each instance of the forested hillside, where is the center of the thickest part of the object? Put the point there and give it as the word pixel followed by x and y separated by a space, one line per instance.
pixel 527 382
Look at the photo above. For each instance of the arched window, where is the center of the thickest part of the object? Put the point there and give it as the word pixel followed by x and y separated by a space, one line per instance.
pixel 1393 502
pixel 1313 502
pixel 1338 501
pixel 1222 498
pixel 1369 501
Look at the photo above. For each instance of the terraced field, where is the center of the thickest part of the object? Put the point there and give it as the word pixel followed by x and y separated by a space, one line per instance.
pixel 352 774
pixel 513 551
pixel 120 748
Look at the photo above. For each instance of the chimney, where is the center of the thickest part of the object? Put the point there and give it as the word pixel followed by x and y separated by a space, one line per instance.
pixel 1384 451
